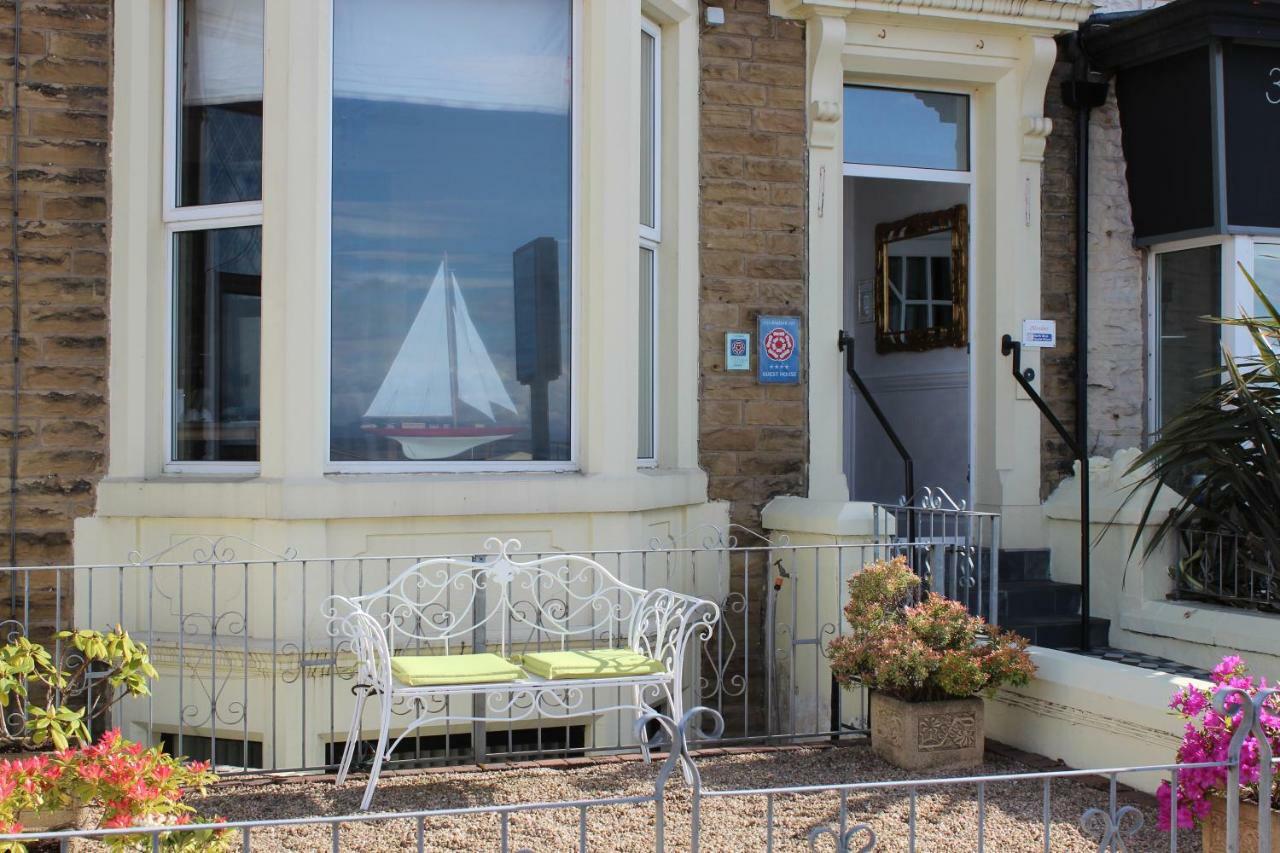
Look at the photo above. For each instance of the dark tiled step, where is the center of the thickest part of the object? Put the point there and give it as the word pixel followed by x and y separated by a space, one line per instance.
pixel 1023 599
pixel 1024 564
pixel 1059 632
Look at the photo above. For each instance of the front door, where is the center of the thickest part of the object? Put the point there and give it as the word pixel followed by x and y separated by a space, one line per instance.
pixel 907 197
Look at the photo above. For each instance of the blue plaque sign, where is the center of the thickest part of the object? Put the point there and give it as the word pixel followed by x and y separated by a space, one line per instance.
pixel 778 361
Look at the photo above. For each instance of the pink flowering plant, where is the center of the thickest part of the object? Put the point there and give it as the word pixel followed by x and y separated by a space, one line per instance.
pixel 1207 738
pixel 134 786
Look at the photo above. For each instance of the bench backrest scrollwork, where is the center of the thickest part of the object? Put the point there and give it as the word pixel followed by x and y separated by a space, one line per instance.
pixel 511 605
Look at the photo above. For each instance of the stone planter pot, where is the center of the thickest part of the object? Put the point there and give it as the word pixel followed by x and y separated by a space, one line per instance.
pixel 927 735
pixel 75 816
pixel 1214 829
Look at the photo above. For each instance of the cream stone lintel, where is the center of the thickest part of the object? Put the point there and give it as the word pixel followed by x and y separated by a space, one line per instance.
pixel 1054 15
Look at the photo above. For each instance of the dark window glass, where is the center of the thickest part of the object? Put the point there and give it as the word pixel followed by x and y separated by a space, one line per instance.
pixel 899 127
pixel 220 103
pixel 1188 354
pixel 217 336
pixel 452 151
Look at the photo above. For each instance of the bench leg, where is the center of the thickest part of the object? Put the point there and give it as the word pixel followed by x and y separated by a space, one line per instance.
pixel 379 752
pixel 353 736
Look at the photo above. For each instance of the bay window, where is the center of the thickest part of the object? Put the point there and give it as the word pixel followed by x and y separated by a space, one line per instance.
pixel 213 215
pixel 1188 288
pixel 452 208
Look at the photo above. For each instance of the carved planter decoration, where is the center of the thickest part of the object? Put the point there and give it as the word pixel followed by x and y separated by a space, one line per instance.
pixel 926 735
pixel 1214 828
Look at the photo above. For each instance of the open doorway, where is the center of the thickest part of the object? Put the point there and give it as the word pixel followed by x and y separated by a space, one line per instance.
pixel 907 289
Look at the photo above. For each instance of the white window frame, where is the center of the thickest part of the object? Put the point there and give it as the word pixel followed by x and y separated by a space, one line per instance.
pixel 650 238
pixel 571 464
pixel 208 217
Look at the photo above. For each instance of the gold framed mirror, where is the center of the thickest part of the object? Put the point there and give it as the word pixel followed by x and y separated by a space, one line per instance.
pixel 922 281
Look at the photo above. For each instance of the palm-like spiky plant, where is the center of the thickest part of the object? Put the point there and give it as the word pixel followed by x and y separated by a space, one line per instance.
pixel 1221 456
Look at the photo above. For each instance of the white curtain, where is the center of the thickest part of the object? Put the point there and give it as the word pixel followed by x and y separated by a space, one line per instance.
pixel 479 54
pixel 221 51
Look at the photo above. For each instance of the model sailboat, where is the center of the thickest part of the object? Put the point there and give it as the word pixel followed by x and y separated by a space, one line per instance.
pixel 442 363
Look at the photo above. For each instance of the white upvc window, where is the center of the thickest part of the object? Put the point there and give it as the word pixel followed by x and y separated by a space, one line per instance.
pixel 212 214
pixel 453 206
pixel 650 236
pixel 1188 280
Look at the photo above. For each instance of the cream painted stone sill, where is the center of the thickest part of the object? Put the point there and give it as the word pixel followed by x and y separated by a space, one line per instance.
pixel 400 495
pixel 1223 628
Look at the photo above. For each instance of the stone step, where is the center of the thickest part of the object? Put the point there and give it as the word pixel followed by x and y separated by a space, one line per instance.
pixel 1027 598
pixel 1059 632
pixel 1022 564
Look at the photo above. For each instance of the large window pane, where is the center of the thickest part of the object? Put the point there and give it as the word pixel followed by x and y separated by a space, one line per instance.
pixel 1266 271
pixel 897 127
pixel 1190 289
pixel 220 103
pixel 452 209
pixel 648 130
pixel 217 335
pixel 648 271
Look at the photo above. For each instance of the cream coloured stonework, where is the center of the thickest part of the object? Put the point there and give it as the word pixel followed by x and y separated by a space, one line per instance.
pixel 603 499
pixel 1001 53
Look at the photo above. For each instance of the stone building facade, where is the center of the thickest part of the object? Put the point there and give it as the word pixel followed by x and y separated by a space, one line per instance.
pixel 53 397
pixel 753 439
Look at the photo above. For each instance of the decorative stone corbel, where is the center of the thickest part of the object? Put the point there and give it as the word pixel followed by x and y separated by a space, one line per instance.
pixel 1039 53
pixel 825 40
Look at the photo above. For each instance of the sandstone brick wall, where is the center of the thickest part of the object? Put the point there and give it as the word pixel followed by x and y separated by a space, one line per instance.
pixel 1058 279
pixel 753 438
pixel 60 359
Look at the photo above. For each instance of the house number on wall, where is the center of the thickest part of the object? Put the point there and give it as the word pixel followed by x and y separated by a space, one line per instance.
pixel 1273 97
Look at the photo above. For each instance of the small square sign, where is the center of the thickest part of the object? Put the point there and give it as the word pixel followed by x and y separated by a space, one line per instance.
pixel 737 351
pixel 1042 334
pixel 778 359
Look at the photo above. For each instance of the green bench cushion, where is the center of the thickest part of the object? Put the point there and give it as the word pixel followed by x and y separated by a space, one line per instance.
pixel 603 663
pixel 438 670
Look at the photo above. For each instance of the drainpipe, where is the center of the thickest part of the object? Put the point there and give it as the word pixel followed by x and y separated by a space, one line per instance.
pixel 1083 91
pixel 15 331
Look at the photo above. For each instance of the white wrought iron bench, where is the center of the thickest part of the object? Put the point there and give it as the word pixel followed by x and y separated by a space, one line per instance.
pixel 532 637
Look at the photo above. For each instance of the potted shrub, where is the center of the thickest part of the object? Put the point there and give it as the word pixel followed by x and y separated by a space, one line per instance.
pixel 926 662
pixel 1198 800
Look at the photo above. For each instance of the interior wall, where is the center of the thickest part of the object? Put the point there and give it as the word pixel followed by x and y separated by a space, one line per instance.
pixel 925 395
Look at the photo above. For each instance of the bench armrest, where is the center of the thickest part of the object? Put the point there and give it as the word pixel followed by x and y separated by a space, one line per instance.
pixel 367 638
pixel 666 623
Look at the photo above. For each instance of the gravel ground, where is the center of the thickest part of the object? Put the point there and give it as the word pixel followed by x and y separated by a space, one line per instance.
pixel 946 818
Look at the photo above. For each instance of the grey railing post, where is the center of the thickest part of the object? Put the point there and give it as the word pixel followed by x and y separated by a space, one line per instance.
pixel 479 642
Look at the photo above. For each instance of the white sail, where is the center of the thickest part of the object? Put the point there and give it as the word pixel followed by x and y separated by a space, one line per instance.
pixel 479 384
pixel 417 384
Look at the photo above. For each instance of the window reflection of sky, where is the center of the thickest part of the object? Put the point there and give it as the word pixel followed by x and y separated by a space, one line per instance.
pixel 893 127
pixel 410 184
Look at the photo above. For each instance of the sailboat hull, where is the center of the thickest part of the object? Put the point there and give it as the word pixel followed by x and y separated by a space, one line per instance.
pixel 425 444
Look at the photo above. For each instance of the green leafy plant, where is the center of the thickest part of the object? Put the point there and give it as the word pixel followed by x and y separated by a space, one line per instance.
pixel 925 651
pixel 1221 455
pixel 57 698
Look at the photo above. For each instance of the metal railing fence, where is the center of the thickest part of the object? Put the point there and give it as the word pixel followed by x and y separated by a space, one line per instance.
pixel 1225 568
pixel 251 678
pixel 958 553
pixel 1112 824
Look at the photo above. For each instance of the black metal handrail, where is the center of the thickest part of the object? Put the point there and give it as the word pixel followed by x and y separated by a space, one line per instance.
pixel 845 343
pixel 1024 378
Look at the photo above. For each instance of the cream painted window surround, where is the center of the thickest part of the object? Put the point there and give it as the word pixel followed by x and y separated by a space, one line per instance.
pixel 294 480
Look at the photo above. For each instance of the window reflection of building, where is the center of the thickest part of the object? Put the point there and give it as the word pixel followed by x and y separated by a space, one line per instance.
pixel 463 151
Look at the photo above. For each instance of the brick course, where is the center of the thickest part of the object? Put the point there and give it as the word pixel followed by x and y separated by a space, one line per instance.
pixel 753 438
pixel 63 105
